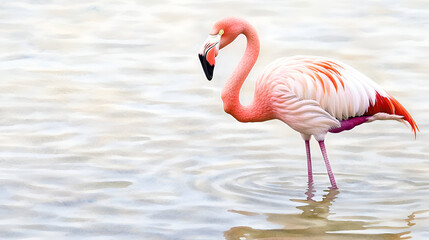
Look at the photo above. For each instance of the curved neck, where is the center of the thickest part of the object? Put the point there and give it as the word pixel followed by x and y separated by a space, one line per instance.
pixel 231 91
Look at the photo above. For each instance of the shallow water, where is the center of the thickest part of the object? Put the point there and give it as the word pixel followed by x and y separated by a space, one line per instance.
pixel 111 131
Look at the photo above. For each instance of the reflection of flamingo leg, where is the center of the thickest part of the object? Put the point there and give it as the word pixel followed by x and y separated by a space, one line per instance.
pixel 310 191
pixel 328 165
pixel 309 167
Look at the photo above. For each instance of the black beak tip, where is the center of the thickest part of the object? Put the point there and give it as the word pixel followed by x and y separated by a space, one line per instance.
pixel 208 69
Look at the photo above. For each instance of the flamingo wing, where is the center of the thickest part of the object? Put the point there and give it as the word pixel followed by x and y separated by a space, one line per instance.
pixel 303 115
pixel 337 88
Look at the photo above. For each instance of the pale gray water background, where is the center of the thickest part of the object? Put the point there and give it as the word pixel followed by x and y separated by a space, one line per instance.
pixel 109 129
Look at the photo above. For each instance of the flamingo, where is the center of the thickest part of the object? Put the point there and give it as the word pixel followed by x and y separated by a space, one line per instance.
pixel 313 95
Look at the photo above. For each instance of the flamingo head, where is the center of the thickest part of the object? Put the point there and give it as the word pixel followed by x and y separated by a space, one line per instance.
pixel 222 34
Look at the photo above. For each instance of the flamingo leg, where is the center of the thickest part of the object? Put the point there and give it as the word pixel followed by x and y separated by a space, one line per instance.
pixel 309 167
pixel 328 165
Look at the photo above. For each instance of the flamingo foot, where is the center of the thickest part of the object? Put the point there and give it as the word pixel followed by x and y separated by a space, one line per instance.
pixel 328 165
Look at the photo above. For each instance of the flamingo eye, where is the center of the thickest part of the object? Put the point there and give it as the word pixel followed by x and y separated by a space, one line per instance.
pixel 221 32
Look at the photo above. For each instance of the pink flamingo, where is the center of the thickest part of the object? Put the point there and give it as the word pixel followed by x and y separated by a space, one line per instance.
pixel 313 95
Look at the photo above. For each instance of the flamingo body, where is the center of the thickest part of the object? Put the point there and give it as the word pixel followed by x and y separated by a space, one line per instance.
pixel 313 95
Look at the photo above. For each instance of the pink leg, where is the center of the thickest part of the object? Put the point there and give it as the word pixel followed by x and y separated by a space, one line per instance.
pixel 328 166
pixel 309 167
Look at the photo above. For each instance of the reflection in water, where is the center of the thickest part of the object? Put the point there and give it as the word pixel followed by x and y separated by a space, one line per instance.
pixel 313 223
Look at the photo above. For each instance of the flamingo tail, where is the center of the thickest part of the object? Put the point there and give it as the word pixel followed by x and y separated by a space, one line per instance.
pixel 391 106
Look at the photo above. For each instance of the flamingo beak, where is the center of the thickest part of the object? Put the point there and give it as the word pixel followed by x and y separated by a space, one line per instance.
pixel 208 53
pixel 208 69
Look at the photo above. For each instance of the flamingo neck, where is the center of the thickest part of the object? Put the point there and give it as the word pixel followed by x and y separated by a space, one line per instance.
pixel 231 91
